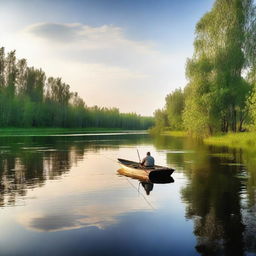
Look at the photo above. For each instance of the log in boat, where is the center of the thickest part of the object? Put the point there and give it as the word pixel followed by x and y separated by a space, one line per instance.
pixel 156 174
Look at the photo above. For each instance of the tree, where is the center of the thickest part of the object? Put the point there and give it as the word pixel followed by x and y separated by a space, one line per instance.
pixel 2 67
pixel 174 108
pixel 161 119
pixel 217 89
pixel 21 76
pixel 11 73
pixel 28 98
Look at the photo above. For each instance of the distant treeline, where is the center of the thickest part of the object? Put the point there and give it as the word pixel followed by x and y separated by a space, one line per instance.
pixel 29 99
pixel 221 92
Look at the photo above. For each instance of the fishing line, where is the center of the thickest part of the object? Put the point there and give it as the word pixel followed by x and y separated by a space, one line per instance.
pixel 133 185
pixel 141 195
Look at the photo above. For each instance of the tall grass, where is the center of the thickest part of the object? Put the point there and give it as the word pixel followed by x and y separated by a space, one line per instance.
pixel 175 133
pixel 246 140
pixel 163 131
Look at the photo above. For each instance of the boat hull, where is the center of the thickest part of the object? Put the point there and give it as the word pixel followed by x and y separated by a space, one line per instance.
pixel 134 173
pixel 135 170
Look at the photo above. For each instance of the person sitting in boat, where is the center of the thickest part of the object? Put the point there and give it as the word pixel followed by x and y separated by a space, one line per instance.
pixel 148 161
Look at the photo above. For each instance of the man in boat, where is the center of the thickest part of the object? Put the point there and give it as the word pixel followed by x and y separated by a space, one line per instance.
pixel 148 161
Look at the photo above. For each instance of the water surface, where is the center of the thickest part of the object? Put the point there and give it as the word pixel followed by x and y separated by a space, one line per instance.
pixel 61 195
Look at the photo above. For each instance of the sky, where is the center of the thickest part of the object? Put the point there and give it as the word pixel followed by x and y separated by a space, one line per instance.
pixel 127 54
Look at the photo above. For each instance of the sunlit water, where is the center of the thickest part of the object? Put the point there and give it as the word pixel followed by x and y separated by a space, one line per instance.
pixel 61 195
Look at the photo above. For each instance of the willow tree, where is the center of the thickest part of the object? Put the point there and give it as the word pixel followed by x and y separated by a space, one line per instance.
pixel 161 120
pixel 2 67
pixel 217 91
pixel 174 107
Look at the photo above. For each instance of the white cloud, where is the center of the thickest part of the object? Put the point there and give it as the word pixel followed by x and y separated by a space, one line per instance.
pixel 103 65
pixel 105 44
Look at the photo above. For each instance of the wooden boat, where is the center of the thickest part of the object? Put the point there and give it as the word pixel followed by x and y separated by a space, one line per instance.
pixel 158 173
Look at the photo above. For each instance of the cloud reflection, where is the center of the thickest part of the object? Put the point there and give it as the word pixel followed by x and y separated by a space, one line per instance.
pixel 96 213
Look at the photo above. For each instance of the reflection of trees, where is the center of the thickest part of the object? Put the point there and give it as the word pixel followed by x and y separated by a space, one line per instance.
pixel 249 202
pixel 224 221
pixel 214 202
pixel 22 169
pixel 193 149
pixel 28 162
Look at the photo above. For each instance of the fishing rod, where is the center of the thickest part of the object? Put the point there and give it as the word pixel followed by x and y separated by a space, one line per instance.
pixel 138 155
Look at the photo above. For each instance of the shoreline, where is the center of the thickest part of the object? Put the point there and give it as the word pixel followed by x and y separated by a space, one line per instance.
pixel 244 140
pixel 13 131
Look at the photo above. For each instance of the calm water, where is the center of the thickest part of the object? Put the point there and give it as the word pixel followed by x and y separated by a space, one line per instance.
pixel 61 195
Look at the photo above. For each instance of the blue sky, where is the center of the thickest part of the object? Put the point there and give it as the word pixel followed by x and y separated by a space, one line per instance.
pixel 115 53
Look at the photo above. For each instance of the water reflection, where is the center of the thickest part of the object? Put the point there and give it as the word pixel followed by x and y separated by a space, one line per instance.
pixel 77 201
pixel 67 187
pixel 213 200
pixel 148 186
pixel 219 190
pixel 28 162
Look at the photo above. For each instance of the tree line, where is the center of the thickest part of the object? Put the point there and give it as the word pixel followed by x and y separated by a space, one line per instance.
pixel 29 99
pixel 220 95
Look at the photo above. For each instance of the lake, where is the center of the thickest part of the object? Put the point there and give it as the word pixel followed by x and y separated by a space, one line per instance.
pixel 62 195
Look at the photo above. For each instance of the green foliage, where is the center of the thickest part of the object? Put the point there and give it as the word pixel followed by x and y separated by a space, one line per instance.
pixel 218 91
pixel 218 98
pixel 250 105
pixel 29 99
pixel 193 117
pixel 244 140
pixel 175 133
pixel 171 116
pixel 174 108
pixel 161 121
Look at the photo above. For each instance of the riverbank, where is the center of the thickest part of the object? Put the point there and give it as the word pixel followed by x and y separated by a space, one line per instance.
pixel 155 131
pixel 246 140
pixel 175 133
pixel 51 131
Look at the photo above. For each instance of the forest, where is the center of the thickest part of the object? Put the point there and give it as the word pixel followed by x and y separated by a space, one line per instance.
pixel 29 99
pixel 220 94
